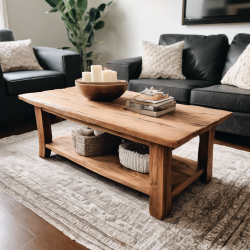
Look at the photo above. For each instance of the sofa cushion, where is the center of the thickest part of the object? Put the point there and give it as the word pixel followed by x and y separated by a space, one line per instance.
pixel 238 45
pixel 20 82
pixel 203 56
pixel 222 97
pixel 179 89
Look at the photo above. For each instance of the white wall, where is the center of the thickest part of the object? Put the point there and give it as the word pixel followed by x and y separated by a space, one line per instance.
pixel 27 19
pixel 128 22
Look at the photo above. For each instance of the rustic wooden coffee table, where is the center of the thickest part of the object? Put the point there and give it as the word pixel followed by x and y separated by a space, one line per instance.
pixel 168 175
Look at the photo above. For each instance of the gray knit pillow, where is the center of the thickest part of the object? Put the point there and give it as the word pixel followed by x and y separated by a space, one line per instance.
pixel 162 61
pixel 239 74
pixel 18 55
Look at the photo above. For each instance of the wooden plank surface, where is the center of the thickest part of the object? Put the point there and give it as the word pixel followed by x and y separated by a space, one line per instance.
pixel 125 136
pixel 172 130
pixel 108 165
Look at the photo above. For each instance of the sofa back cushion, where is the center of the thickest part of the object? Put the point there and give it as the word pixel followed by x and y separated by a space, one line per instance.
pixel 203 56
pixel 238 45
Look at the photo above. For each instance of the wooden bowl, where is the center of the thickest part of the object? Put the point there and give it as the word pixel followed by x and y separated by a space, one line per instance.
pixel 101 91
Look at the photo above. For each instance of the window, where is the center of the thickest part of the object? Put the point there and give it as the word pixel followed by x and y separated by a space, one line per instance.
pixel 4 23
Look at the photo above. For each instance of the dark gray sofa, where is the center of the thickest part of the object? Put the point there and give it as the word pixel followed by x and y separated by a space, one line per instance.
pixel 206 59
pixel 61 68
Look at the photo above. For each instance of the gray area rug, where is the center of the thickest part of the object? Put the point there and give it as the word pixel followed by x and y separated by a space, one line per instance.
pixel 102 214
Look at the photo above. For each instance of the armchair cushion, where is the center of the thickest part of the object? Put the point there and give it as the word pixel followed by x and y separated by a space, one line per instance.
pixel 20 82
pixel 64 61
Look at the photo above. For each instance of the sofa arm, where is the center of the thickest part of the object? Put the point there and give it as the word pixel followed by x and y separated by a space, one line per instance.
pixel 127 69
pixel 64 61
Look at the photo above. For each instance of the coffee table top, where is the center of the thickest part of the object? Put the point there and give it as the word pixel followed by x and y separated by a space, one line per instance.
pixel 172 129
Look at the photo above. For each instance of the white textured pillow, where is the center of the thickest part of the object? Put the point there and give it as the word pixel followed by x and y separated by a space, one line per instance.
pixel 162 61
pixel 239 74
pixel 18 55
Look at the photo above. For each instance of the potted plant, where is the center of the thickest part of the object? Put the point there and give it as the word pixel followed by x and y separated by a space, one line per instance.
pixel 80 25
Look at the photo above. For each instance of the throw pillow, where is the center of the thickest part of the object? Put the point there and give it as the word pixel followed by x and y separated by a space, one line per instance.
pixel 239 74
pixel 162 61
pixel 18 55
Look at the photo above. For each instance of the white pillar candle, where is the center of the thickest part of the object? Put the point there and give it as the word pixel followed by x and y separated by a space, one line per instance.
pixel 96 73
pixel 107 76
pixel 86 76
pixel 114 76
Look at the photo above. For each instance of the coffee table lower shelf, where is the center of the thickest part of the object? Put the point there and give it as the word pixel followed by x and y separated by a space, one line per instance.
pixel 184 171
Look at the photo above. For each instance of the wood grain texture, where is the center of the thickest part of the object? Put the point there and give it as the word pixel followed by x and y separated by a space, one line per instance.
pixel 177 127
pixel 160 192
pixel 44 131
pixel 22 229
pixel 126 136
pixel 205 155
pixel 12 234
pixel 46 235
pixel 108 165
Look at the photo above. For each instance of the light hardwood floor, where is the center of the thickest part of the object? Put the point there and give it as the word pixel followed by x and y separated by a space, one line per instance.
pixel 22 229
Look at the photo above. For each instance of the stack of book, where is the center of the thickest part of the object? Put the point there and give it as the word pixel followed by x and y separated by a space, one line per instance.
pixel 147 105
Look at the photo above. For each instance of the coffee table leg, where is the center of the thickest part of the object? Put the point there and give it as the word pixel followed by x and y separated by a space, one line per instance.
pixel 44 131
pixel 205 155
pixel 160 193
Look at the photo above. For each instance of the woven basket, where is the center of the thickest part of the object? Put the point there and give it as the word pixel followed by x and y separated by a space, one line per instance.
pixel 86 145
pixel 134 156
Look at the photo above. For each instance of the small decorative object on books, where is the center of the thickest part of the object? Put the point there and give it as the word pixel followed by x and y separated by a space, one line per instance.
pixel 151 102
pixel 134 156
pixel 89 142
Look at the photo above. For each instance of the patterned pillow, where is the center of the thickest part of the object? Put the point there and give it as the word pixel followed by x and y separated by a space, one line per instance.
pixel 162 61
pixel 239 74
pixel 18 55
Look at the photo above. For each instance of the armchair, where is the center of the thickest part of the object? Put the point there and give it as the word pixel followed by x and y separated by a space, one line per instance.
pixel 61 68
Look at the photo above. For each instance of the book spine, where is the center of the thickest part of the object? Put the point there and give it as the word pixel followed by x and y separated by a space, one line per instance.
pixel 150 113
pixel 167 105
pixel 149 107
